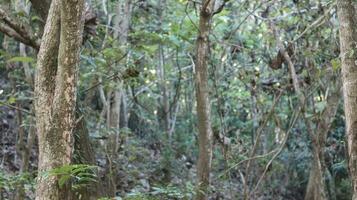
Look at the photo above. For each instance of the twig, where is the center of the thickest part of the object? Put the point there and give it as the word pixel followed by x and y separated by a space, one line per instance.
pixel 279 151
pixel 257 139
pixel 315 24
pixel 188 16
pixel 243 161
pixel 113 76
pixel 220 8
pixel 17 108
pixel 260 129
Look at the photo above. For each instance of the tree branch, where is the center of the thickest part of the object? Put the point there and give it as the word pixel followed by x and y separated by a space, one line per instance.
pixel 17 30
pixel 23 34
pixel 11 33
pixel 220 8
pixel 288 60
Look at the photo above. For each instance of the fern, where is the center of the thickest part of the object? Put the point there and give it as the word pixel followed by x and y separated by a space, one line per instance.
pixel 79 175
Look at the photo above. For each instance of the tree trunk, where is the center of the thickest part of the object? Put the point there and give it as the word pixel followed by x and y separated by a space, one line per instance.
pixel 163 101
pixel 163 108
pixel 84 154
pixel 55 89
pixel 348 41
pixel 203 102
pixel 316 187
pixel 114 112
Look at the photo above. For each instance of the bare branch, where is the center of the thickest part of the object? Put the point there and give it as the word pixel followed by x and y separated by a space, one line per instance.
pixel 17 108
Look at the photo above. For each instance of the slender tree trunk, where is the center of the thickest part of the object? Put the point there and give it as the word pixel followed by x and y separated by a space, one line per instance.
pixel 114 111
pixel 164 114
pixel 163 108
pixel 124 117
pixel 348 41
pixel 20 147
pixel 123 20
pixel 316 184
pixel 55 89
pixel 163 111
pixel 203 102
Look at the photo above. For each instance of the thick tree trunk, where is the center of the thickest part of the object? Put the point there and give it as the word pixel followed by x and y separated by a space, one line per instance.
pixel 203 102
pixel 55 90
pixel 82 145
pixel 348 41
pixel 44 90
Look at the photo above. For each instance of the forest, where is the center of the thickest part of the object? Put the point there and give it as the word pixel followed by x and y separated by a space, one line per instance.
pixel 178 99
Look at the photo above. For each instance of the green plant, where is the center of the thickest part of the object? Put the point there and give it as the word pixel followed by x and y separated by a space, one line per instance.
pixel 10 183
pixel 78 175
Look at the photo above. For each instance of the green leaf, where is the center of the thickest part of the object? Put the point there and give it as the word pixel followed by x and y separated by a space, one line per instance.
pixel 21 59
pixel 63 180
pixel 11 100
pixel 336 64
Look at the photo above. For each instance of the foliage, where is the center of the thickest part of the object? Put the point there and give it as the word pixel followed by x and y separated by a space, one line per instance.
pixel 78 176
pixel 9 183
pixel 243 84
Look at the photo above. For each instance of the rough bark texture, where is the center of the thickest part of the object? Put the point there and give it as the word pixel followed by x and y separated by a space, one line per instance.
pixel 203 102
pixel 55 90
pixel 348 41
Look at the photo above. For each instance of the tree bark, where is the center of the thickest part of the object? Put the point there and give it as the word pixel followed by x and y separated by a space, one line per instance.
pixel 55 90
pixel 203 102
pixel 348 41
